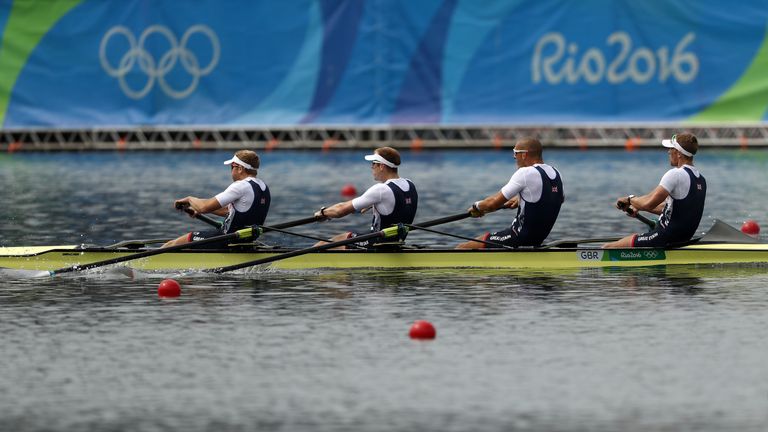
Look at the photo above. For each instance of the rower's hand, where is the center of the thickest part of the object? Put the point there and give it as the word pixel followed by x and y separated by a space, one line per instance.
pixel 624 205
pixel 631 211
pixel 320 215
pixel 475 212
pixel 512 203
pixel 184 205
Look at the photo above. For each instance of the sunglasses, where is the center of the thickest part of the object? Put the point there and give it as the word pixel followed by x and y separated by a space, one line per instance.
pixel 516 151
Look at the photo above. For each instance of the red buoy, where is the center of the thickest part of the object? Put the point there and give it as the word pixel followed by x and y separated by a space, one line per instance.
pixel 348 190
pixel 750 227
pixel 169 288
pixel 422 330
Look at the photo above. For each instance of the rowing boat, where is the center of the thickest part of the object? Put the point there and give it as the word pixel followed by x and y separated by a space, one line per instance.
pixel 723 244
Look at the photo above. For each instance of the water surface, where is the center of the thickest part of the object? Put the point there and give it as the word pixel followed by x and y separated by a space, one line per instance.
pixel 655 349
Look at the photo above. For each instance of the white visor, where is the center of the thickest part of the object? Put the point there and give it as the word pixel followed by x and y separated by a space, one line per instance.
pixel 237 160
pixel 378 158
pixel 672 143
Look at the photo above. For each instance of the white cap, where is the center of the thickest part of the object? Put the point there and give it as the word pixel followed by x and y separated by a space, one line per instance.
pixel 237 160
pixel 672 143
pixel 380 159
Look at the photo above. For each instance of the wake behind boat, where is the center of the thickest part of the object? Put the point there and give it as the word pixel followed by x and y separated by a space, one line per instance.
pixel 722 244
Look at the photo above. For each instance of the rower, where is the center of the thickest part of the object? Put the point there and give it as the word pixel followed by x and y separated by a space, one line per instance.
pixel 394 199
pixel 535 189
pixel 679 199
pixel 244 203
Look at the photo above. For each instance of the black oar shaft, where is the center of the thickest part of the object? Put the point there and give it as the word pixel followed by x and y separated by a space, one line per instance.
pixel 387 232
pixel 485 242
pixel 290 224
pixel 392 231
pixel 646 221
pixel 210 221
pixel 446 219
pixel 241 234
pixel 641 218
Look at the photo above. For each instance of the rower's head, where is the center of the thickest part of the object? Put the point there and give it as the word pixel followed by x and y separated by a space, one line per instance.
pixel 245 163
pixel 384 163
pixel 682 147
pixel 527 152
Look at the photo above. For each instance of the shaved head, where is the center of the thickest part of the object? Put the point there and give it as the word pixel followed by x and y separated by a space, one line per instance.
pixel 531 144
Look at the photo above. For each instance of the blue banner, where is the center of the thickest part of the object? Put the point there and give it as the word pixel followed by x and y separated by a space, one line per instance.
pixel 94 63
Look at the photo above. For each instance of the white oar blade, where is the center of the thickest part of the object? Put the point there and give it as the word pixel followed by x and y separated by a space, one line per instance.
pixel 10 273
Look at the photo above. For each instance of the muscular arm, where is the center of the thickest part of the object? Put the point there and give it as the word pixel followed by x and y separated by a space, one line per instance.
pixel 336 211
pixel 652 202
pixel 495 202
pixel 201 205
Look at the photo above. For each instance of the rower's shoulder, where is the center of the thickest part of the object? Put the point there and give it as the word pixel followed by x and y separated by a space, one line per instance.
pixel 551 171
pixel 248 180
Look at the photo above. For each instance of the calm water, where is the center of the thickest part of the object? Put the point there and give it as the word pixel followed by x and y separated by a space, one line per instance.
pixel 641 349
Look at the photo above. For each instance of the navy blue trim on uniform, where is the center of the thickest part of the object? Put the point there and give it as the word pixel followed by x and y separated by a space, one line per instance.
pixel 678 222
pixel 255 215
pixel 533 224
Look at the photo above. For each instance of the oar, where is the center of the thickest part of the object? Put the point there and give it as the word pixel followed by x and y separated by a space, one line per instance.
pixel 306 236
pixel 242 234
pixel 393 231
pixel 572 243
pixel 638 216
pixel 486 242
pixel 207 219
pixel 290 224
pixel 641 218
pixel 239 235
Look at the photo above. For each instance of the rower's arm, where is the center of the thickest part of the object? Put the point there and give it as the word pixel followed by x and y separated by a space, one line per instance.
pixel 491 203
pixel 652 202
pixel 200 205
pixel 336 211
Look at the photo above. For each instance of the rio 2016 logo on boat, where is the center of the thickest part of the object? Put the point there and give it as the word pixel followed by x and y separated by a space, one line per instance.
pixel 639 66
pixel 137 54
pixel 621 255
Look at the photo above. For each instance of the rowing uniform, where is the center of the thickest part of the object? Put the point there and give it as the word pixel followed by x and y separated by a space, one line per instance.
pixel 394 202
pixel 247 201
pixel 682 210
pixel 541 194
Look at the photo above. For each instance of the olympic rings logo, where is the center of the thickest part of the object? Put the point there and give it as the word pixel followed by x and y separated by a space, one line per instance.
pixel 156 70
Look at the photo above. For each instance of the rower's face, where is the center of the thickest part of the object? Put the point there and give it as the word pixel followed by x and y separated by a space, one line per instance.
pixel 236 170
pixel 376 170
pixel 673 156
pixel 521 155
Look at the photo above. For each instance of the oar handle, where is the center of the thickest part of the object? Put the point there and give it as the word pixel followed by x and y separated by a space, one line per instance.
pixel 210 221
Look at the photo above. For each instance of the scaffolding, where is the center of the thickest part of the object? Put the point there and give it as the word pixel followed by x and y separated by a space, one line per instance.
pixel 340 137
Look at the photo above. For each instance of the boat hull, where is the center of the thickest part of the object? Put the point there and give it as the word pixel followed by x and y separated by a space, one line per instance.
pixel 51 258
